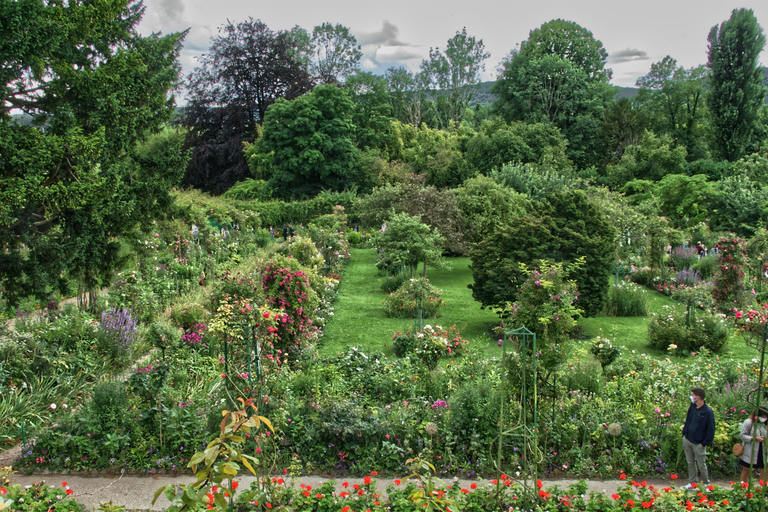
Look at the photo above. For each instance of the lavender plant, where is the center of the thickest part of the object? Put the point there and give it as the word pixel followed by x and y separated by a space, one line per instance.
pixel 116 334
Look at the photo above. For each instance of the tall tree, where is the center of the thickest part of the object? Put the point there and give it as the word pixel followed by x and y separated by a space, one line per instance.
pixel 455 74
pixel 335 54
pixel 408 94
pixel 559 76
pixel 736 85
pixel 247 68
pixel 308 144
pixel 72 181
pixel 572 42
pixel 672 98
pixel 373 111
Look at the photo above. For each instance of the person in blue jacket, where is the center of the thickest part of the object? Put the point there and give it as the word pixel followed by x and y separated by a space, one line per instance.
pixel 698 433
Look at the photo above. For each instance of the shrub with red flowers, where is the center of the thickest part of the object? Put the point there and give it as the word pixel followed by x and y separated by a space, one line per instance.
pixel 729 286
pixel 287 288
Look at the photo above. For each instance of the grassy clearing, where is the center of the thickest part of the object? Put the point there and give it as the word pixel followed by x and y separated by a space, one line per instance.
pixel 359 318
pixel 631 332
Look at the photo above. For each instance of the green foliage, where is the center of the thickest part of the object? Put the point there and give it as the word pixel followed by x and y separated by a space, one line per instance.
pixel 626 299
pixel 335 53
pixel 604 351
pixel 222 459
pixel 455 74
pixel 308 144
pixel 565 229
pixel 414 292
pixel 672 99
pixel 498 144
pixel 162 336
pixel 533 181
pixel 249 190
pixel 434 207
pixel 405 242
pixel 652 159
pixel 675 331
pixel 83 179
pixel 728 291
pixel 403 344
pixel 547 305
pixel 485 205
pixel 570 41
pixel 740 206
pixel 736 90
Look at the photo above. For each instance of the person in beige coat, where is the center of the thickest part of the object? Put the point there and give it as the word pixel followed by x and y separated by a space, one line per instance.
pixel 754 431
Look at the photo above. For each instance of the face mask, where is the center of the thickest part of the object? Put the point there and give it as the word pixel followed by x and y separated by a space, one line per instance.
pixel 763 419
pixel 693 399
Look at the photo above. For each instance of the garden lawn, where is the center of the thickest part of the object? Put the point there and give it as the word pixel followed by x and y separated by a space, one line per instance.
pixel 359 318
pixel 632 332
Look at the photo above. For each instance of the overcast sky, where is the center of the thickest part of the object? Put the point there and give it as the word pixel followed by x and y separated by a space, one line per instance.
pixel 397 33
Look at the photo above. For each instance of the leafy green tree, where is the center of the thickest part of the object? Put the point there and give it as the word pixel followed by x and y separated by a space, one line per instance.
pixel 308 144
pixel 672 98
pixel 736 90
pixel 408 93
pixel 623 126
pixel 498 144
pixel 336 54
pixel 436 208
pixel 407 241
pixel 741 206
pixel 552 89
pixel 437 155
pixel 572 42
pixel 652 159
pixel 372 113
pixel 455 74
pixel 246 69
pixel 534 181
pixel 486 205
pixel 685 200
pixel 559 76
pixel 565 228
pixel 72 181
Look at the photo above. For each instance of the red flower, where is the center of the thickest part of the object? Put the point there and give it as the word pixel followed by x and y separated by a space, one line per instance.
pixel 360 492
pixel 355 486
pixel 345 509
pixel 374 473
pixel 673 477
pixel 725 502
pixel 305 493
pixel 235 485
pixel 367 480
pixel 63 484
pixel 473 486
pixel 615 496
pixel 465 491
pixel 345 484
pixel 70 491
pixel 622 476
pixel 539 484
pixel 397 482
pixel 631 503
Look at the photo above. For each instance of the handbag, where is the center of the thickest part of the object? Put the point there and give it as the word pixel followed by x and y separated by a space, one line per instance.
pixel 738 449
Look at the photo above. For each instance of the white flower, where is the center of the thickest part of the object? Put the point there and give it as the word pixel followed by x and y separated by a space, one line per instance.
pixel 53 406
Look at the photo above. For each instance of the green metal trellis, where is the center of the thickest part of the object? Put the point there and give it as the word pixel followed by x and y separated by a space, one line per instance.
pixel 249 333
pixel 527 427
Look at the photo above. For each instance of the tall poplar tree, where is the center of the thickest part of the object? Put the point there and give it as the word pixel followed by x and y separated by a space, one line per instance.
pixel 736 85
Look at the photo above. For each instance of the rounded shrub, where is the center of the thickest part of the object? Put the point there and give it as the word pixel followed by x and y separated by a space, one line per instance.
pixel 673 330
pixel 403 302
